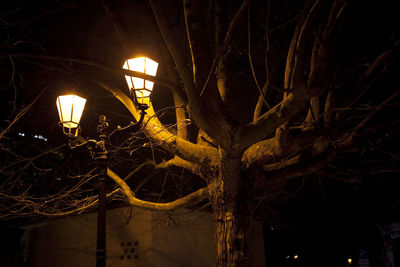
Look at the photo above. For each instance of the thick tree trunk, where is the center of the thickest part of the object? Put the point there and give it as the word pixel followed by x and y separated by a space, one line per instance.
pixel 228 196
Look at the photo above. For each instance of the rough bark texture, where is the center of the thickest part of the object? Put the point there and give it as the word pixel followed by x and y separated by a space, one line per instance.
pixel 228 197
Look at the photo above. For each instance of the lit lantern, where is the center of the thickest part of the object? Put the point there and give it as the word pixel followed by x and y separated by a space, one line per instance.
pixel 142 88
pixel 70 109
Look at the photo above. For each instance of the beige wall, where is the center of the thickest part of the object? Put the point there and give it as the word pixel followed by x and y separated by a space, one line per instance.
pixel 184 238
pixel 135 237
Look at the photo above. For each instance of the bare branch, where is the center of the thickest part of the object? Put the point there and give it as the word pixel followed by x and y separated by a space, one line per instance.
pixel 251 61
pixel 189 200
pixel 356 131
pixel 22 113
pixel 77 210
pixel 99 65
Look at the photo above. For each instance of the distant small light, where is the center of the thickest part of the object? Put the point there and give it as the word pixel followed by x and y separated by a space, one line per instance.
pixel 287 257
pixel 21 134
pixel 350 260
pixel 58 179
pixel 296 257
pixel 40 137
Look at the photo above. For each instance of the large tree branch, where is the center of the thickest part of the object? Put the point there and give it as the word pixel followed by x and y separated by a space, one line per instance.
pixel 301 166
pixel 179 162
pixel 221 50
pixel 179 102
pixel 272 69
pixel 181 119
pixel 207 107
pixel 323 151
pixel 266 125
pixel 206 110
pixel 221 69
pixel 287 83
pixel 262 91
pixel 323 61
pixel 189 200
pixel 174 42
pixel 287 141
pixel 297 67
pixel 159 134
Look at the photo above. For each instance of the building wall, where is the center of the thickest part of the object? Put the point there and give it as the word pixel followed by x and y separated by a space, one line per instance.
pixel 182 239
pixel 135 237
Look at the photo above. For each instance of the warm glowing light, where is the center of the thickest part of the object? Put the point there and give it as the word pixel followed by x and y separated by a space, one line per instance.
pixel 70 109
pixel 296 257
pixel 350 260
pixel 141 87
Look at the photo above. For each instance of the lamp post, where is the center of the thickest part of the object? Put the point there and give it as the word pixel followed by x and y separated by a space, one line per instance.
pixel 70 109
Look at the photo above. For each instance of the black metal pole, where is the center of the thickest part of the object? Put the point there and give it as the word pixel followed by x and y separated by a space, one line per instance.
pixel 101 220
pixel 101 159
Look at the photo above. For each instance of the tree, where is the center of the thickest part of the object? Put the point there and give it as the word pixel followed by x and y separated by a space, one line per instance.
pixel 284 91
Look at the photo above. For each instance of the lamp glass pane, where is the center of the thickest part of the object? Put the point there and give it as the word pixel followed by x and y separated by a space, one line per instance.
pixel 78 106
pixel 58 102
pixel 149 85
pixel 64 106
pixel 129 81
pixel 151 67
pixel 137 64
pixel 138 83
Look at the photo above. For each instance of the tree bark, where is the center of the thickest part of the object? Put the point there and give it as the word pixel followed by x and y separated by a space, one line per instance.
pixel 228 193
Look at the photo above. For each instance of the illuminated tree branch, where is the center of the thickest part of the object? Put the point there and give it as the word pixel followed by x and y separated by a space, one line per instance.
pixel 189 200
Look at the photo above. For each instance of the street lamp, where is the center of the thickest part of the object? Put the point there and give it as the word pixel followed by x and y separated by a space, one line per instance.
pixel 70 109
pixel 140 88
